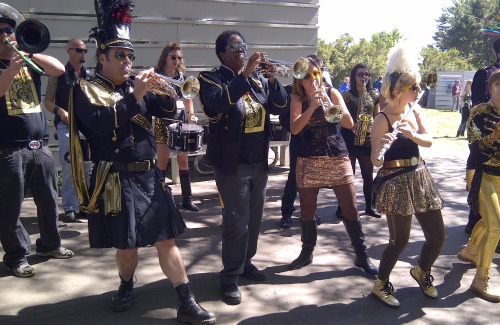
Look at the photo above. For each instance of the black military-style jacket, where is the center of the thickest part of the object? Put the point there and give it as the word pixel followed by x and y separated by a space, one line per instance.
pixel 221 96
pixel 105 113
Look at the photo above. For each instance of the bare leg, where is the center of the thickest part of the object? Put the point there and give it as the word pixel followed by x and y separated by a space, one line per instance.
pixel 171 261
pixel 126 262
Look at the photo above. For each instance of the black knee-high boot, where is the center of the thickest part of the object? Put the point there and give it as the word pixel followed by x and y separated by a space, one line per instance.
pixel 309 237
pixel 188 310
pixel 362 260
pixel 187 201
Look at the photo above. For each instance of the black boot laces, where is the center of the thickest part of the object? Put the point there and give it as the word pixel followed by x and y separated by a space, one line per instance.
pixel 388 289
pixel 428 279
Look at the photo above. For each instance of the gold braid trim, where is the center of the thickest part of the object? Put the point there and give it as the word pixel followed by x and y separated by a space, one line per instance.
pixel 216 118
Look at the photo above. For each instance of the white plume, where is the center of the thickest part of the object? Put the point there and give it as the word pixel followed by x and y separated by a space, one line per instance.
pixel 404 57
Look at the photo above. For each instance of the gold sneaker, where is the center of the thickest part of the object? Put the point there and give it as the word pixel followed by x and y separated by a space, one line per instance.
pixel 424 280
pixel 383 291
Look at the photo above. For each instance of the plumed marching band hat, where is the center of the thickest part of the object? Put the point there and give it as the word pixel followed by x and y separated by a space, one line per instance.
pixel 114 18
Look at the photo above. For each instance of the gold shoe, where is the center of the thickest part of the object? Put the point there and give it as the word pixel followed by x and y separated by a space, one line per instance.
pixel 383 291
pixel 468 254
pixel 424 280
pixel 482 286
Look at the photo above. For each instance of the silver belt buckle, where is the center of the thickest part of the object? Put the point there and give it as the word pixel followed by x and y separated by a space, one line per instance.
pixel 414 161
pixel 34 145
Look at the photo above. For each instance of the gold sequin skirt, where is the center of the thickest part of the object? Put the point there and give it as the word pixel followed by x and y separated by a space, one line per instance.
pixel 322 171
pixel 408 193
pixel 161 132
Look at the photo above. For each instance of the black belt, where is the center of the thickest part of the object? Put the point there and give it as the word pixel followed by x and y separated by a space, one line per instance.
pixel 32 145
pixel 319 132
pixel 139 166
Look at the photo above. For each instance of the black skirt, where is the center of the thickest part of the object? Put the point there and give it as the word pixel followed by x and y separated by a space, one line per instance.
pixel 148 215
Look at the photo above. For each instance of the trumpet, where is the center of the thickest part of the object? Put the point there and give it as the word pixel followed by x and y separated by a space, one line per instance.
pixel 333 113
pixel 32 36
pixel 163 85
pixel 396 128
pixel 281 68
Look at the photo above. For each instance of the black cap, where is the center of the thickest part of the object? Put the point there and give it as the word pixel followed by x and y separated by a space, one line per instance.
pixel 496 46
pixel 114 18
pixel 6 19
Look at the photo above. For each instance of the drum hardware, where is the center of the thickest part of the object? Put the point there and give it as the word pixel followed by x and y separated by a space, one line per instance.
pixel 184 138
pixel 31 35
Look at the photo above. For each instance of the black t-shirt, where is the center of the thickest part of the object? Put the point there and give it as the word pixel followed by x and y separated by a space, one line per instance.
pixel 22 118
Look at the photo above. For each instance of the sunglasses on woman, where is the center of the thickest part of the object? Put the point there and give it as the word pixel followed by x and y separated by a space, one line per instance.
pixel 363 74
pixel 175 57
pixel 120 55
pixel 313 74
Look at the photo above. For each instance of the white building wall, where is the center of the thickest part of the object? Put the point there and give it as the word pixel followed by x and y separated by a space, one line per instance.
pixel 440 96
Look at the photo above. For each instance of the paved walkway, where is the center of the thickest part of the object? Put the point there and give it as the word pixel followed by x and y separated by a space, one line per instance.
pixel 329 291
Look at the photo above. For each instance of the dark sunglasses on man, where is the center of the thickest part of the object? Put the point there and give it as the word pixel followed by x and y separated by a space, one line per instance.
pixel 120 55
pixel 79 50
pixel 7 30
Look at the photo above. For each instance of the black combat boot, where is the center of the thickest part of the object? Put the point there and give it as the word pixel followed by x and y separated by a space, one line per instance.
pixel 122 299
pixel 362 260
pixel 187 201
pixel 309 237
pixel 188 310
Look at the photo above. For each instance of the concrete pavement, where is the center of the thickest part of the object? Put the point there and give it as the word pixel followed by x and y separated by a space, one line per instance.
pixel 329 291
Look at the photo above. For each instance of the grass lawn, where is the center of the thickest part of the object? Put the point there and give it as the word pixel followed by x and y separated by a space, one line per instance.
pixel 443 125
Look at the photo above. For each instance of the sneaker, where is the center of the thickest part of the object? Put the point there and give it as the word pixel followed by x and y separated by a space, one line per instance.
pixel 424 280
pixel 383 290
pixel 24 270
pixel 60 253
pixel 252 273
pixel 69 216
pixel 231 295
pixel 286 222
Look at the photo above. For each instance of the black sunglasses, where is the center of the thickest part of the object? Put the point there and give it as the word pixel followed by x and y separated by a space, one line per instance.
pixel 313 74
pixel 363 74
pixel 120 55
pixel 79 50
pixel 7 30
pixel 175 57
pixel 236 47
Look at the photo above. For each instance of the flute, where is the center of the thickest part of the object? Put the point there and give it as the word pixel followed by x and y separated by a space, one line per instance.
pixel 395 131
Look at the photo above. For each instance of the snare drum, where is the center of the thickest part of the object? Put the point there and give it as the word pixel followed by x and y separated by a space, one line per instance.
pixel 187 141
pixel 278 132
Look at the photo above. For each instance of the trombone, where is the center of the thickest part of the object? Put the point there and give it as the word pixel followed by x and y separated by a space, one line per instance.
pixel 32 36
pixel 164 85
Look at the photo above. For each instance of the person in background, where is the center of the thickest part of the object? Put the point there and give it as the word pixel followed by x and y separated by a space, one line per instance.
pixel 484 137
pixel 377 84
pixel 238 102
pixel 345 86
pixel 26 162
pixel 129 207
pixel 171 64
pixel 456 89
pixel 407 187
pixel 57 96
pixel 466 105
pixel 322 161
pixel 361 102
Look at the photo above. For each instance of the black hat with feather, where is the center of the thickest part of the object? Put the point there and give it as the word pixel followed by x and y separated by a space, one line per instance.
pixel 114 18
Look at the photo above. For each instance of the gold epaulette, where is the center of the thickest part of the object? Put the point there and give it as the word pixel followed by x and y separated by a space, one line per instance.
pixel 98 94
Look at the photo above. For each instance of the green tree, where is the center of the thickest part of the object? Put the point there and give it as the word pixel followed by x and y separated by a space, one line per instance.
pixel 459 28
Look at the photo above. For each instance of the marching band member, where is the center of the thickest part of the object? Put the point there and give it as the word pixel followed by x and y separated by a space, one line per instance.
pixel 238 102
pixel 483 131
pixel 407 186
pixel 323 161
pixel 171 64
pixel 129 207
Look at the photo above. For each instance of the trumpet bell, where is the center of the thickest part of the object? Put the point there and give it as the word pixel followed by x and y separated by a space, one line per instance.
pixel 333 114
pixel 190 87
pixel 300 68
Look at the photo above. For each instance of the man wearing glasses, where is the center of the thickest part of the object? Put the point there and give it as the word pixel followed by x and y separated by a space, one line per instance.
pixel 238 102
pixel 25 159
pixel 57 97
pixel 128 207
